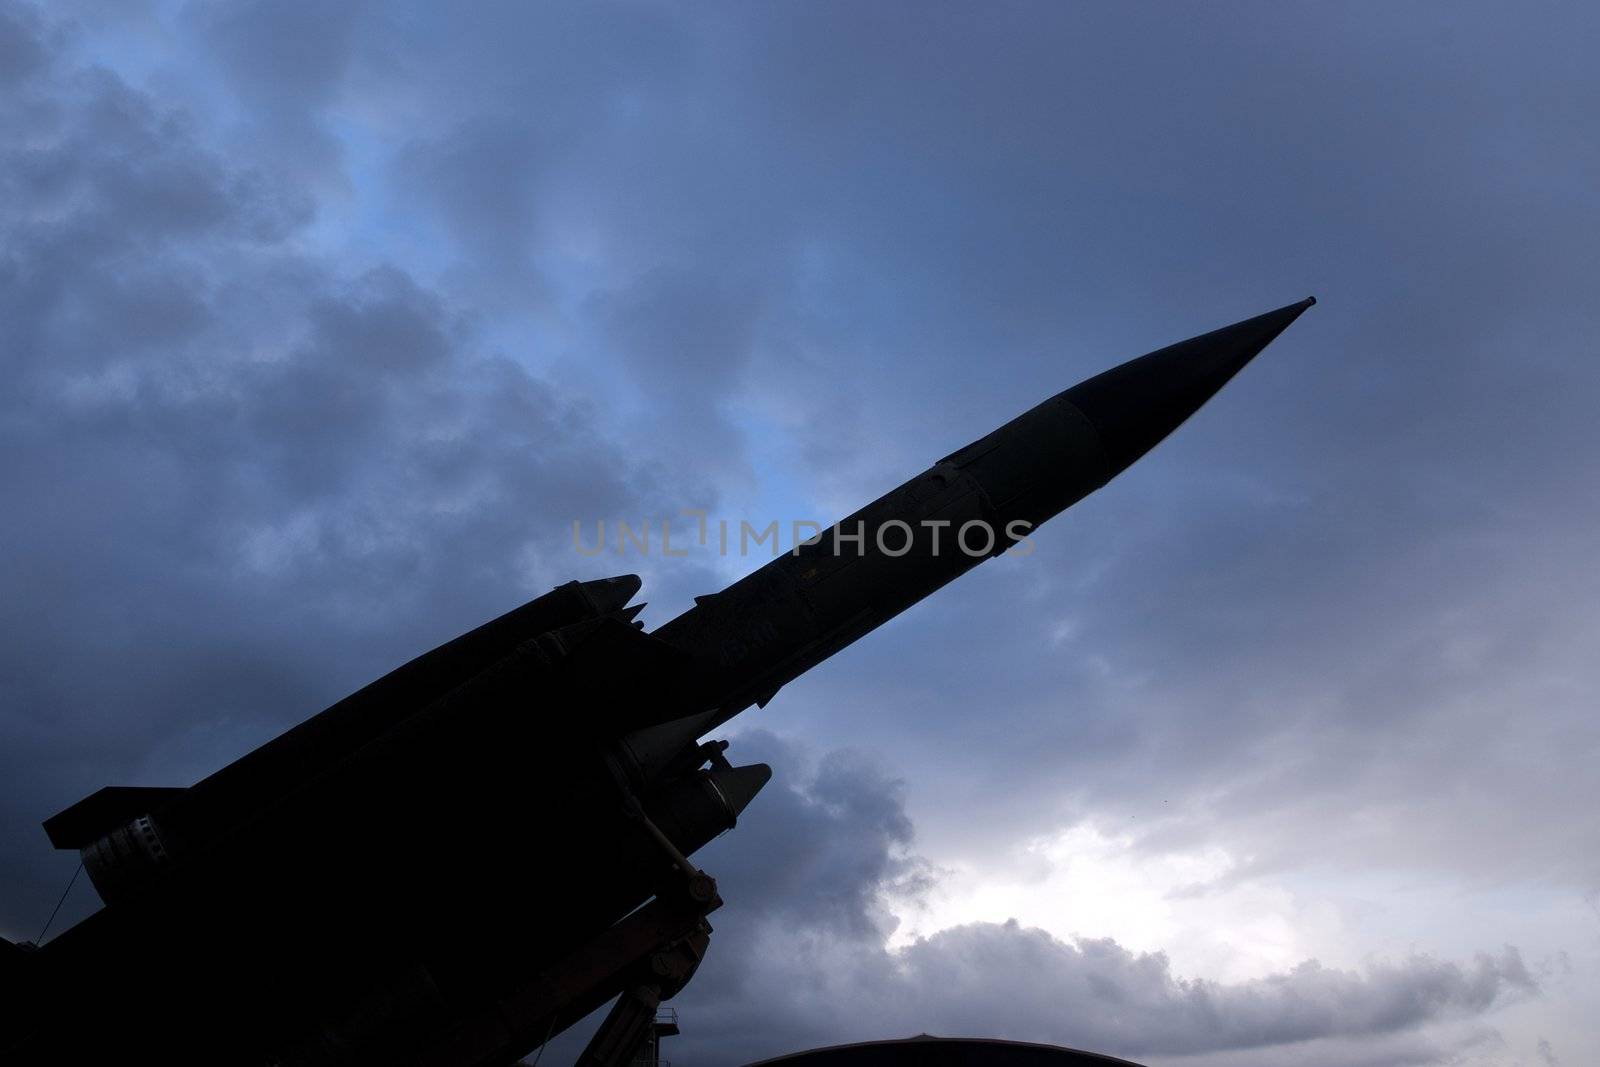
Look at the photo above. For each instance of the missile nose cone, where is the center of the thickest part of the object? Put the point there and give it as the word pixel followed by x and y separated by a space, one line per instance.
pixel 739 785
pixel 1135 405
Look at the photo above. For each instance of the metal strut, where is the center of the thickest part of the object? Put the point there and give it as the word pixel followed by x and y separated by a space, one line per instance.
pixel 670 967
pixel 628 1023
pixel 698 884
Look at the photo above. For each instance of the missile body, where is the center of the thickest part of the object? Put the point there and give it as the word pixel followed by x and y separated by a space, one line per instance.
pixel 780 621
pixel 460 860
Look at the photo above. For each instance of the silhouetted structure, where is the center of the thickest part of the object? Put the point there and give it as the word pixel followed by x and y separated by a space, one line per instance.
pixel 925 1050
pixel 478 849
pixel 650 1052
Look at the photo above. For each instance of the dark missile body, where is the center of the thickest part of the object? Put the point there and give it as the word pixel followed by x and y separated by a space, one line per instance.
pixel 773 625
pixel 448 866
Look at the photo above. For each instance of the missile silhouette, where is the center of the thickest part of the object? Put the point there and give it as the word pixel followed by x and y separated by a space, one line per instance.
pixel 775 624
pixel 470 854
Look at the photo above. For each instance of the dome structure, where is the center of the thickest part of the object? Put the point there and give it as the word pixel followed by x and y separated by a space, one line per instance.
pixel 925 1050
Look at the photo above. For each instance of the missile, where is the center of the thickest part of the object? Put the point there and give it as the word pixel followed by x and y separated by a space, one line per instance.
pixel 783 619
pixel 460 860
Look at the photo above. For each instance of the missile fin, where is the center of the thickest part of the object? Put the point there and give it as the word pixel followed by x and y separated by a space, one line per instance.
pixel 610 594
pixel 739 785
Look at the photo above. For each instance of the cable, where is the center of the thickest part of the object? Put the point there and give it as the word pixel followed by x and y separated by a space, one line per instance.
pixel 73 881
pixel 547 1034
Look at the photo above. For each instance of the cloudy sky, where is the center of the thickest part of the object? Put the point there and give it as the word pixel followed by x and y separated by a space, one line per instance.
pixel 321 324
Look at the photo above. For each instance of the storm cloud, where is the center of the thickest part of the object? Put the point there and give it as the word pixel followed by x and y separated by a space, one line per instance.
pixel 319 327
pixel 214 436
pixel 800 956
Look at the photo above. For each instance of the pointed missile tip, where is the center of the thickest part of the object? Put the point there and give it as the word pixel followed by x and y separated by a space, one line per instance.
pixel 1135 405
pixel 1293 311
pixel 1290 312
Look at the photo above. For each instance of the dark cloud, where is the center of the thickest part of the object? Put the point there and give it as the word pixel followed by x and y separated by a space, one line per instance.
pixel 319 326
pixel 240 481
pixel 1097 994
pixel 827 839
pixel 800 958
pixel 1355 582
